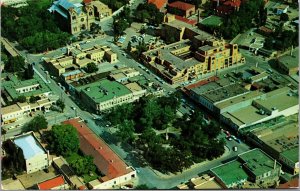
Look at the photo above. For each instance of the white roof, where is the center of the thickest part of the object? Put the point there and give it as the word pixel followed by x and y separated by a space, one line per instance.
pixel 29 145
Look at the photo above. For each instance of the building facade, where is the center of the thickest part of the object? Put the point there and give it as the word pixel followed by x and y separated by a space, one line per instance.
pixel 73 17
pixel 178 62
pixel 36 157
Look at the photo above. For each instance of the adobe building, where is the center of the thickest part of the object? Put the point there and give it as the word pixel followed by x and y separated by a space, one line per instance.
pixel 74 16
pixel 116 171
pixel 181 8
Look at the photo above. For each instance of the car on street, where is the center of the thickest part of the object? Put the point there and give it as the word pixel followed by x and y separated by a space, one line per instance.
pixel 235 149
pixel 73 108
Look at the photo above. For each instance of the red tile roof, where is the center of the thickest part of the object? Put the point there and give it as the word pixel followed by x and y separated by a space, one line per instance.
pixel 202 82
pixel 181 5
pixel 87 1
pixel 52 183
pixel 236 3
pixel 291 184
pixel 224 9
pixel 158 3
pixel 188 21
pixel 104 158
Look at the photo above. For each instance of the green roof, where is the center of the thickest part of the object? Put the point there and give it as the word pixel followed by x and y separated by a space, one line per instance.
pixel 104 90
pixel 212 21
pixel 14 83
pixel 258 162
pixel 292 154
pixel 231 172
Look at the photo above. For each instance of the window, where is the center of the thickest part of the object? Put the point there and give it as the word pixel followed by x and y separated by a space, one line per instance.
pixel 73 17
pixel 115 182
pixel 82 19
pixel 90 13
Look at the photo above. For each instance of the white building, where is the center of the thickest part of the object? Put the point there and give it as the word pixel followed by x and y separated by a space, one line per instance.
pixel 17 111
pixel 36 157
pixel 280 102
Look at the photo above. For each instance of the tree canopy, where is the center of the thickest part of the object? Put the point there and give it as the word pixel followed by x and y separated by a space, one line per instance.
pixel 63 139
pixel 146 121
pixel 83 165
pixel 33 27
pixel 91 67
pixel 37 123
pixel 14 64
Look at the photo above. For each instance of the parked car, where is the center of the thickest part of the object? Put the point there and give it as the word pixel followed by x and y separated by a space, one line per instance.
pixel 235 149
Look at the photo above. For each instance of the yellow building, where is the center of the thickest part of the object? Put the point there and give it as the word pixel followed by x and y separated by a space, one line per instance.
pixel 78 57
pixel 101 10
pixel 178 62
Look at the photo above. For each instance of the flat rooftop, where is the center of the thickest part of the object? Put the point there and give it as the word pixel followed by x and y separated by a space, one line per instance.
pixel 290 61
pixel 286 97
pixel 104 90
pixel 29 145
pixel 212 21
pixel 14 83
pixel 258 162
pixel 239 99
pixel 244 116
pixel 178 62
pixel 225 92
pixel 292 154
pixel 230 172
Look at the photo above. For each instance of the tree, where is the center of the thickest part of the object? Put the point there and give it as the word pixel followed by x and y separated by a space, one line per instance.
pixel 142 187
pixel 268 44
pixel 91 67
pixel 21 99
pixel 63 139
pixel 61 104
pixel 284 17
pixel 37 123
pixel 120 25
pixel 126 131
pixel 129 46
pixel 29 72
pixel 14 64
pixel 83 165
pixel 33 99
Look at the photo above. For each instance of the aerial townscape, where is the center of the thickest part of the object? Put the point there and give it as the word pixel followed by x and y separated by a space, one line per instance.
pixel 149 94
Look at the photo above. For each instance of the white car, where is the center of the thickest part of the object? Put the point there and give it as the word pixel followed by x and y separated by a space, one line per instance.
pixel 235 148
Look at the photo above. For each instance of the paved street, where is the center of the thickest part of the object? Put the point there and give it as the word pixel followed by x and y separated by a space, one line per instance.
pixel 146 175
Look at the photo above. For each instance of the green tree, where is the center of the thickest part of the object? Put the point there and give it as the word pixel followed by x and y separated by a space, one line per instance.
pixel 284 17
pixel 126 131
pixel 21 99
pixel 34 99
pixel 61 104
pixel 63 139
pixel 83 165
pixel 37 123
pixel 268 44
pixel 129 46
pixel 14 64
pixel 142 187
pixel 119 26
pixel 29 72
pixel 91 67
